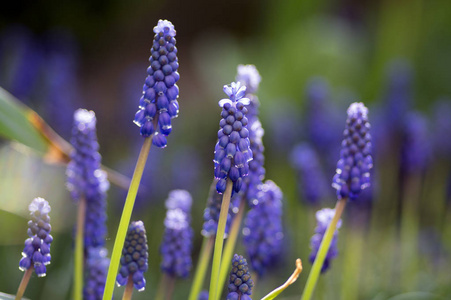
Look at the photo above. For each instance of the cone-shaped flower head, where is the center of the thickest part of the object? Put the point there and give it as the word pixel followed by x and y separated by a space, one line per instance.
pixel 96 267
pixel 177 241
pixel 86 179
pixel 232 151
pixel 211 214
pixel 324 217
pixel 353 167
pixel 416 143
pixel 262 230
pixel 134 257
pixel 158 103
pixel 37 247
pixel 312 182
pixel 240 281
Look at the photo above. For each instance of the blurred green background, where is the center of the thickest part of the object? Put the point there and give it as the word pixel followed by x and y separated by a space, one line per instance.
pixel 348 43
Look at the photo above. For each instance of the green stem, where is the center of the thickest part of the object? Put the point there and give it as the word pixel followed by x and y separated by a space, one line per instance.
pixel 166 287
pixel 230 246
pixel 125 219
pixel 79 250
pixel 24 282
pixel 219 241
pixel 204 258
pixel 128 289
pixel 322 252
pixel 290 280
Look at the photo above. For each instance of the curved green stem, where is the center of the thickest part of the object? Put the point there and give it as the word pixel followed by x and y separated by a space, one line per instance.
pixel 230 246
pixel 322 252
pixel 290 280
pixel 199 276
pixel 79 250
pixel 24 282
pixel 219 241
pixel 125 219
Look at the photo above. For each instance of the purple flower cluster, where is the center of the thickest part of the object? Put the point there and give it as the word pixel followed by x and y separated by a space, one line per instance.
pixel 232 151
pixel 158 103
pixel 263 228
pixel 36 252
pixel 415 148
pixel 97 264
pixel 313 184
pixel 324 217
pixel 86 179
pixel 177 241
pixel 240 281
pixel 134 257
pixel 353 167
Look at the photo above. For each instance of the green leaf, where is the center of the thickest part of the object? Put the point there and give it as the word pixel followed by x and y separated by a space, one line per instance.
pixel 15 125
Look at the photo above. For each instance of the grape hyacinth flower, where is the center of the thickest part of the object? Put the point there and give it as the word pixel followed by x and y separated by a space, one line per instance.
pixel 158 103
pixel 248 75
pixel 177 241
pixel 324 217
pixel 96 270
pixel 134 257
pixel 232 151
pixel 240 281
pixel 353 167
pixel 312 182
pixel 262 232
pixel 36 252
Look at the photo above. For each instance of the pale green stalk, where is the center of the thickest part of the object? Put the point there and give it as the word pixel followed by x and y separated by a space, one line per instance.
pixel 229 247
pixel 219 241
pixel 125 219
pixel 322 252
pixel 24 282
pixel 204 259
pixel 79 250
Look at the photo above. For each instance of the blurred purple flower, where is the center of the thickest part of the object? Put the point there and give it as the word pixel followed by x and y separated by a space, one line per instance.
pixel 442 128
pixel 96 266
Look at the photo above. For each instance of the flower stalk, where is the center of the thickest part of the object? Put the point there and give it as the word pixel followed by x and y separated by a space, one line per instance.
pixel 79 250
pixel 125 218
pixel 204 259
pixel 24 283
pixel 287 283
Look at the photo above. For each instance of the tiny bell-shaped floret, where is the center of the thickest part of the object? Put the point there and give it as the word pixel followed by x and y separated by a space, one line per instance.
pixel 355 163
pixel 232 151
pixel 240 281
pixel 158 104
pixel 36 252
pixel 134 257
pixel 324 217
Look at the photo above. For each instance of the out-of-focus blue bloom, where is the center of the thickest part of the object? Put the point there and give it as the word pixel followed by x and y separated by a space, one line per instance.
pixel 324 217
pixel 134 257
pixel 158 103
pixel 232 151
pixel 212 211
pixel 86 179
pixel 353 167
pixel 248 75
pixel 180 199
pixel 203 295
pixel 240 281
pixel 312 182
pixel 96 268
pixel 262 232
pixel 177 244
pixel 36 252
pixel 442 128
pixel 415 143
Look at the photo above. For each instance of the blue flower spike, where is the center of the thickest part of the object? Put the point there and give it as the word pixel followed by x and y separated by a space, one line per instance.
pixel 36 252
pixel 232 151
pixel 353 167
pixel 240 281
pixel 158 104
pixel 324 217
pixel 134 257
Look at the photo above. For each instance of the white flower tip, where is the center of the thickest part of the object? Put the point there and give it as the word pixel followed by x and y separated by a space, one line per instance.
pixel 164 26
pixel 222 102
pixel 39 204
